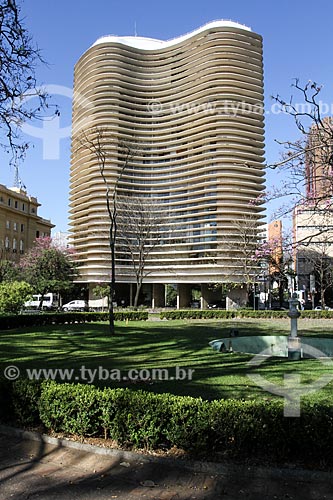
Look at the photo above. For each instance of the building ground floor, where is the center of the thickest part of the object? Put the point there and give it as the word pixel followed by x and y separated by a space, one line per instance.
pixel 179 295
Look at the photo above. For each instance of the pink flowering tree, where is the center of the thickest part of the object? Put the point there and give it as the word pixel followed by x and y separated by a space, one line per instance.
pixel 48 268
pixel 276 256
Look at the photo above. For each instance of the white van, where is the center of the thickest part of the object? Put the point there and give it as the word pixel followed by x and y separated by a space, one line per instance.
pixel 50 302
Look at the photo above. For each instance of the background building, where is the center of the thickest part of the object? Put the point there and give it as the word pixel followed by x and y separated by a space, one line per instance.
pixel 313 219
pixel 313 237
pixel 190 111
pixel 20 224
pixel 319 161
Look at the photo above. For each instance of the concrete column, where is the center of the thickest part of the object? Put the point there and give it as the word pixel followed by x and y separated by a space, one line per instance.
pixel 158 295
pixel 131 295
pixel 209 295
pixel 237 297
pixel 183 295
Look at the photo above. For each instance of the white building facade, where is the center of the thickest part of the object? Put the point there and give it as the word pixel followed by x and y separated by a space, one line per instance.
pixel 190 110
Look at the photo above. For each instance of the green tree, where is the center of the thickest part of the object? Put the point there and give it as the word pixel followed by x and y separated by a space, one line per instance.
pixel 48 268
pixel 171 296
pixel 13 295
pixel 9 271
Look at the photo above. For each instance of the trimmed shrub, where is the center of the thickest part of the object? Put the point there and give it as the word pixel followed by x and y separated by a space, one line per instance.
pixel 139 419
pixel 8 322
pixel 70 408
pixel 220 314
pixel 239 313
pixel 189 425
pixel 23 400
pixel 198 314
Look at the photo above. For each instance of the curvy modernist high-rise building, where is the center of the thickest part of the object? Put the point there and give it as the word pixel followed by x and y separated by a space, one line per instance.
pixel 190 112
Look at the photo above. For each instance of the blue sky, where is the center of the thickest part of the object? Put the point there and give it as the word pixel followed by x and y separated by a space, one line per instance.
pixel 297 43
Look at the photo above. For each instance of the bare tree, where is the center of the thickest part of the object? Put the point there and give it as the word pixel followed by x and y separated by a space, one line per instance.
pixel 140 222
pixel 277 256
pixel 18 60
pixel 307 163
pixel 243 246
pixel 317 260
pixel 97 142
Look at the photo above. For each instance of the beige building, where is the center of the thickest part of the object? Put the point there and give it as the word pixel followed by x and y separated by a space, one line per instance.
pixel 318 161
pixel 313 240
pixel 20 224
pixel 190 110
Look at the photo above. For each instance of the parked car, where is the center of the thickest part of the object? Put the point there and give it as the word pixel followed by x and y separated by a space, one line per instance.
pixel 75 305
pixel 219 304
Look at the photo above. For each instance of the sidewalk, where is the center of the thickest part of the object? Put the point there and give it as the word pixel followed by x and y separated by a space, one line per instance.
pixel 34 469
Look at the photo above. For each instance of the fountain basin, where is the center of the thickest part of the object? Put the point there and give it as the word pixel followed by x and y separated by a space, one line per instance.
pixel 274 345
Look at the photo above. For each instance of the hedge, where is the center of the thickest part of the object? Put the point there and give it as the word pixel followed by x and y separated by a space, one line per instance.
pixel 138 419
pixel 220 314
pixel 25 320
pixel 239 313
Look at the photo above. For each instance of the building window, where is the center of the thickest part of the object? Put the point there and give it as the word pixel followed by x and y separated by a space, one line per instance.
pixel 9 202
pixel 7 243
pixel 7 224
pixel 23 207
pixel 15 226
pixel 21 246
pixel 14 245
pixel 33 210
pixel 37 234
pixel 16 204
pixel 22 228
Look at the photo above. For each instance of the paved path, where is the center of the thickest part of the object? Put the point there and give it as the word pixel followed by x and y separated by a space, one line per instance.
pixel 31 470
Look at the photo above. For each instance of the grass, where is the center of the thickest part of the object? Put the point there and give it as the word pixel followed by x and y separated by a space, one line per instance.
pixel 159 344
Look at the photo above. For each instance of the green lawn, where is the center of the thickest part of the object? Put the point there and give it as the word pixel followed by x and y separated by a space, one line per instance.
pixel 164 344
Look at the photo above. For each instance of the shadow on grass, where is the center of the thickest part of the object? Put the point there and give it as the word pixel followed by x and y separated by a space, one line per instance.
pixel 148 346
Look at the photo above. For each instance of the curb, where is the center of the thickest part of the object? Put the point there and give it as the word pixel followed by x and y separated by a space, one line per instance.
pixel 283 473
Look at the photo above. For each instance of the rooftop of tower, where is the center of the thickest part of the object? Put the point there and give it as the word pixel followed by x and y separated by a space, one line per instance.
pixel 145 43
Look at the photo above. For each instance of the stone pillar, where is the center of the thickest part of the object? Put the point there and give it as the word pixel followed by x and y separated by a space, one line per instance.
pixel 183 295
pixel 294 342
pixel 131 295
pixel 208 295
pixel 237 297
pixel 158 295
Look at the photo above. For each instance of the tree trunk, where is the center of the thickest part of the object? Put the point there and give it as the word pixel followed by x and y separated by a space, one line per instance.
pixel 112 289
pixel 40 306
pixel 137 293
pixel 322 297
pixel 281 292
